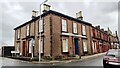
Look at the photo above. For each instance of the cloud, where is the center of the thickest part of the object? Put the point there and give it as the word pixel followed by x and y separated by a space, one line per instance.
pixel 16 13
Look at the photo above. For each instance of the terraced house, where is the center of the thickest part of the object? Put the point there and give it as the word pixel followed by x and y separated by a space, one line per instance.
pixel 62 35
pixel 100 41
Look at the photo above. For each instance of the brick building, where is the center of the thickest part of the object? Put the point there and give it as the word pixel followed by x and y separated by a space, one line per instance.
pixel 62 35
pixel 100 42
pixel 113 40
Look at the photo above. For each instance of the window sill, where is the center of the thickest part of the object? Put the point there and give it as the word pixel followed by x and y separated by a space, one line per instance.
pixel 65 52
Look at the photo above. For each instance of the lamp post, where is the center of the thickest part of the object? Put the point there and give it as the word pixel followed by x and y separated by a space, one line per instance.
pixel 40 31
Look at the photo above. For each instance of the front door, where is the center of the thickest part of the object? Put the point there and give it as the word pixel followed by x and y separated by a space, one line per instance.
pixel 23 49
pixel 77 51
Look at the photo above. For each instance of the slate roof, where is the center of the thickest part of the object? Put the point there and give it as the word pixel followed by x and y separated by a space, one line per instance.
pixel 56 13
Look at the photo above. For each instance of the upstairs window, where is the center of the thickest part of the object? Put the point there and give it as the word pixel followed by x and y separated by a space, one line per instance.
pixel 18 36
pixel 64 25
pixel 28 30
pixel 74 27
pixel 65 45
pixel 83 29
pixel 41 25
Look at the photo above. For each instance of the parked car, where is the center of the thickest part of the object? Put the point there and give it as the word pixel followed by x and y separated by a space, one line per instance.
pixel 112 59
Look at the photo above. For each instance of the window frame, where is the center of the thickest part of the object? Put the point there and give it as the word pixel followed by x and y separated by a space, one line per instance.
pixel 41 25
pixel 85 45
pixel 64 25
pixel 75 27
pixel 28 30
pixel 18 34
pixel 30 41
pixel 42 46
pixel 65 46
pixel 18 47
pixel 31 44
pixel 83 29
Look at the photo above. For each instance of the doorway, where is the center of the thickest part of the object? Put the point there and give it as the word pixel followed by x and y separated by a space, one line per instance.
pixel 23 48
pixel 77 51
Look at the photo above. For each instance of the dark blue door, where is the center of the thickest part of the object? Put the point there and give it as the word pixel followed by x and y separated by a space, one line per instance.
pixel 77 52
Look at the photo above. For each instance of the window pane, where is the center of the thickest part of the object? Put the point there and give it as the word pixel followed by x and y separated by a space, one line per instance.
pixel 85 45
pixel 27 30
pixel 83 30
pixel 74 27
pixel 65 45
pixel 41 46
pixel 18 47
pixel 93 46
pixel 30 45
pixel 18 34
pixel 41 25
pixel 64 25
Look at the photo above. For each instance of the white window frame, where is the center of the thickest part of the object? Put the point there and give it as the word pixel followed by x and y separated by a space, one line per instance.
pixel 30 46
pixel 41 25
pixel 74 27
pixel 18 47
pixel 83 29
pixel 41 46
pixel 28 30
pixel 64 25
pixel 41 49
pixel 18 35
pixel 93 46
pixel 85 45
pixel 64 45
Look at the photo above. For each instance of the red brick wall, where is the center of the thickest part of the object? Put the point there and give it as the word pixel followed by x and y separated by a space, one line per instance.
pixel 56 35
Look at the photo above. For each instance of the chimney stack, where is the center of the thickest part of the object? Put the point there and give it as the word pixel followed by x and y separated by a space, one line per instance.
pixel 79 15
pixel 46 8
pixel 98 26
pixel 116 33
pixel 102 29
pixel 34 14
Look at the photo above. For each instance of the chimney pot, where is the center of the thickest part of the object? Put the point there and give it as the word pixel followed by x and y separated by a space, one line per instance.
pixel 79 15
pixel 102 29
pixel 46 8
pixel 34 14
pixel 99 26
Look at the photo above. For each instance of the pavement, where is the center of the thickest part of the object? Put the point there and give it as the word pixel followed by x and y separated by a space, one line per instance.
pixel 68 61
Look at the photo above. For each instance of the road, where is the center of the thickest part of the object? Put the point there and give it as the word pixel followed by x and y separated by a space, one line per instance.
pixel 96 61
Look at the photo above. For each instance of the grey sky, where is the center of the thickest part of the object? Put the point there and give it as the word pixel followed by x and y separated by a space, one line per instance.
pixel 15 13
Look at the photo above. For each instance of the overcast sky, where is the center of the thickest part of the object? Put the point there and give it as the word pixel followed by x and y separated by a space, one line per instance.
pixel 13 13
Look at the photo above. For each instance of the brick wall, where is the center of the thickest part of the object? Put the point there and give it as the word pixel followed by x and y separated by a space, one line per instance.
pixel 47 36
pixel 56 35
